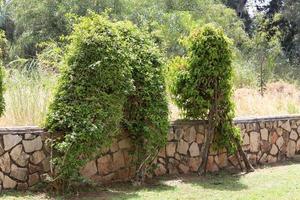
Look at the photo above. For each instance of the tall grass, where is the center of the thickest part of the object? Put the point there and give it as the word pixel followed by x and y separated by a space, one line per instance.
pixel 27 96
pixel 280 98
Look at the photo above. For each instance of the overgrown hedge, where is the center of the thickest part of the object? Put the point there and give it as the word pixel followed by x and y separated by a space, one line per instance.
pixel 3 52
pixel 202 84
pixel 111 82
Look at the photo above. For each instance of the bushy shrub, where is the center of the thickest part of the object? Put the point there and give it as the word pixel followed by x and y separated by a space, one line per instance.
pixel 89 101
pixel 146 114
pixel 202 88
pixel 112 81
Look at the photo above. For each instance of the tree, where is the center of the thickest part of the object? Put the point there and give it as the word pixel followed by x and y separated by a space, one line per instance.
pixel 203 88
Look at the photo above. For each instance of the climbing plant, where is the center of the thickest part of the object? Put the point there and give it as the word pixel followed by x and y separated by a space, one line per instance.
pixel 202 88
pixel 89 100
pixel 111 82
pixel 146 110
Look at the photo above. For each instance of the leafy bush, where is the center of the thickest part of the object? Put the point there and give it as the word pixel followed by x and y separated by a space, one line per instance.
pixel 146 114
pixel 112 73
pixel 203 86
pixel 89 101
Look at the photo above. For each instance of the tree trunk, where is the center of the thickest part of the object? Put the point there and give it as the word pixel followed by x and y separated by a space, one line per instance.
pixel 249 167
pixel 206 146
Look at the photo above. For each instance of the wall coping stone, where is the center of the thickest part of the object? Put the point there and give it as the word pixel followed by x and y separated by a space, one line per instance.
pixel 15 130
pixel 240 120
pixel 19 130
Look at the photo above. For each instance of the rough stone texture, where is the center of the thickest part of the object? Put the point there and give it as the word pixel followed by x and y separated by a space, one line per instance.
pixel 280 142
pixel 33 145
pixel 19 156
pixel 171 149
pixel 37 157
pixel 264 134
pixel 291 148
pixel 5 163
pixel 183 147
pixel 286 126
pixel 105 165
pixel 10 141
pixel 33 179
pixel 9 183
pixel 274 150
pixel 254 141
pixel 294 135
pixel 118 160
pixel 200 138
pixel 194 150
pixel 19 173
pixel 190 135
pixel 89 169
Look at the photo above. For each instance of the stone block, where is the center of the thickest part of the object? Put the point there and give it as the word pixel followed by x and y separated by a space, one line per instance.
pixel 171 149
pixel 118 160
pixel 89 169
pixel 37 157
pixel 194 150
pixel 105 165
pixel 10 141
pixel 293 135
pixel 254 141
pixel 280 142
pixel 33 145
pixel 291 148
pixel 183 168
pixel 222 160
pixel 160 170
pixel 246 139
pixel 190 135
pixel 264 158
pixel 194 163
pixel 33 179
pixel 286 126
pixel 22 186
pixel 183 147
pixel 9 183
pixel 265 146
pixel 34 168
pixel 211 165
pixel 264 134
pixel 5 163
pixel 19 156
pixel 274 150
pixel 19 173
pixel 272 159
pixel 200 138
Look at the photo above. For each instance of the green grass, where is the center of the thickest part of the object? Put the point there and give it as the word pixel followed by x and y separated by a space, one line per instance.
pixel 271 183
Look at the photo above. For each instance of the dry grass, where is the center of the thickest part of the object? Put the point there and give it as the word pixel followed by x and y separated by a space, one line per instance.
pixel 27 97
pixel 279 98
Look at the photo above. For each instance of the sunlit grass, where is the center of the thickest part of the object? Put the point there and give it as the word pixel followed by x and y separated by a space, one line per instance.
pixel 27 96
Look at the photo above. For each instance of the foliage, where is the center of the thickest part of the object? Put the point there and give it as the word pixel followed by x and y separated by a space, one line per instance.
pixel 203 88
pixel 89 101
pixel 146 110
pixel 112 73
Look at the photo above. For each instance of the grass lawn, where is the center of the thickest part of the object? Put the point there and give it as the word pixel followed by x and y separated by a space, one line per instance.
pixel 270 183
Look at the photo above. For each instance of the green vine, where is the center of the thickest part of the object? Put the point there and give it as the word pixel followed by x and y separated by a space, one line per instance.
pixel 111 82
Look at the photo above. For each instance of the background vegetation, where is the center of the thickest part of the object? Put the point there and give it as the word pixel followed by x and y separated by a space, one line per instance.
pixel 265 35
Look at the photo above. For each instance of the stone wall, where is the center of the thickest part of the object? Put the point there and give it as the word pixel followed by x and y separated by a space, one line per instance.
pixel 265 140
pixel 24 157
